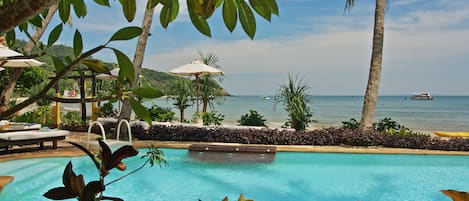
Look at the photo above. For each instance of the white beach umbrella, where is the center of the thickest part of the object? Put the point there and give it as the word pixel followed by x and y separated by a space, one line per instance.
pixel 196 68
pixel 2 69
pixel 113 76
pixel 6 61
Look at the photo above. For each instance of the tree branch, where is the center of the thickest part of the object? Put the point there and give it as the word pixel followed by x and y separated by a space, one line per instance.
pixel 73 100
pixel 19 11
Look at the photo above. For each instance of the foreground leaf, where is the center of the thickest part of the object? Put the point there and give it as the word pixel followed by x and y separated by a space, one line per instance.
pixel 129 7
pixel 230 16
pixel 126 33
pixel 199 22
pixel 96 65
pixel 246 17
pixel 59 193
pixel 456 195
pixel 147 92
pixel 140 110
pixel 126 67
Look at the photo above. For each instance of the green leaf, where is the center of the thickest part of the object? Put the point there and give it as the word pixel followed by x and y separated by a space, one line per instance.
pixel 77 43
pixel 165 16
pixel 262 8
pixel 11 37
pixel 54 35
pixel 174 9
pixel 64 10
pixel 152 3
pixel 140 110
pixel 44 13
pixel 246 17
pixel 147 92
pixel 273 6
pixel 230 16
pixel 103 2
pixel 36 21
pixel 58 64
pixel 79 7
pixel 23 26
pixel 96 65
pixel 126 33
pixel 129 7
pixel 169 12
pixel 200 23
pixel 126 67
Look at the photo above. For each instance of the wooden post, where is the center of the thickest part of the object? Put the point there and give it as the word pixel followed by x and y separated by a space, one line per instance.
pixel 57 106
pixel 82 97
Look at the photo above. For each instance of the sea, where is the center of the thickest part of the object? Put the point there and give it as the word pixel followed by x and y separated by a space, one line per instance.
pixel 447 113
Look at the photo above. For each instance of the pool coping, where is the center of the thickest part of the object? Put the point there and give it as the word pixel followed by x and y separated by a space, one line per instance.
pixel 67 150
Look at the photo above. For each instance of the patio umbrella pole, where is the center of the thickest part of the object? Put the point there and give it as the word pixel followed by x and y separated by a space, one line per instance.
pixel 197 93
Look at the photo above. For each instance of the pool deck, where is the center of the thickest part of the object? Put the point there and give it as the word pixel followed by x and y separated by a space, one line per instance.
pixel 67 150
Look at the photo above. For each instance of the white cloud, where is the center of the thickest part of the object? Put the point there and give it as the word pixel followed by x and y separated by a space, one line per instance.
pixel 334 59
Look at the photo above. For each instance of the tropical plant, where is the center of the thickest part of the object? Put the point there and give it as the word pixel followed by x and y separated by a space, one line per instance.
pixel 294 97
pixel 351 124
pixel 241 198
pixel 212 118
pixel 160 114
pixel 183 99
pixel 41 115
pixel 74 186
pixel 72 118
pixel 209 87
pixel 107 110
pixel 252 119
pixel 374 77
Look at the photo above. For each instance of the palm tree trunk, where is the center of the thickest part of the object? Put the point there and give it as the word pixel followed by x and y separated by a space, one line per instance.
pixel 138 59
pixel 181 112
pixel 372 89
pixel 16 73
pixel 204 108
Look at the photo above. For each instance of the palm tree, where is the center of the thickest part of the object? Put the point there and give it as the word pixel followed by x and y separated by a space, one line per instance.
pixel 209 87
pixel 372 89
pixel 183 92
pixel 294 96
pixel 138 58
pixel 15 73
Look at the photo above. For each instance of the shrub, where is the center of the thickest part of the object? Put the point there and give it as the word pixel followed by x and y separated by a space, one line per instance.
pixel 158 113
pixel 107 110
pixel 72 119
pixel 320 137
pixel 41 115
pixel 252 119
pixel 295 98
pixel 212 118
pixel 351 124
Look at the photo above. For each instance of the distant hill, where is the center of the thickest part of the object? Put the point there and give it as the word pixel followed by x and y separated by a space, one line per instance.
pixel 155 79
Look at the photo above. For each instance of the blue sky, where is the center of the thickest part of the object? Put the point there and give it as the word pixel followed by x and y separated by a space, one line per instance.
pixel 426 46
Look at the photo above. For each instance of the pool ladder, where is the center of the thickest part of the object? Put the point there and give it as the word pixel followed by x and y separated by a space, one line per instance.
pixel 113 144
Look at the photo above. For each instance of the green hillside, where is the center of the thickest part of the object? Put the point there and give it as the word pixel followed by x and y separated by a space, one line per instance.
pixel 151 78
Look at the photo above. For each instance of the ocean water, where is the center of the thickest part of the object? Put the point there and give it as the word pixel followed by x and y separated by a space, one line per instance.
pixel 443 113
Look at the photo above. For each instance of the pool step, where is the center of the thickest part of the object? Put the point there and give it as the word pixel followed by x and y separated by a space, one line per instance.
pixel 232 148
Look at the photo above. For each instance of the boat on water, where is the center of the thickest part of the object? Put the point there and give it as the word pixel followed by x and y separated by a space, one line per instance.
pixel 452 134
pixel 422 96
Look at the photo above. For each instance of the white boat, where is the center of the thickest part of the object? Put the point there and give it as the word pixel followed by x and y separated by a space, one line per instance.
pixel 422 96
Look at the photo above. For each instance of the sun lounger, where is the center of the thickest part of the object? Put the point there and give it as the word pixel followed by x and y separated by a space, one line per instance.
pixel 32 137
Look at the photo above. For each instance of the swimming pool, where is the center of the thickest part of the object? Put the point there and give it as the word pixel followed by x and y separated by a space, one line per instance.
pixel 291 176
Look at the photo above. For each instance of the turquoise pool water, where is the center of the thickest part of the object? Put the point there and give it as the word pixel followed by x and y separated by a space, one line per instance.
pixel 291 176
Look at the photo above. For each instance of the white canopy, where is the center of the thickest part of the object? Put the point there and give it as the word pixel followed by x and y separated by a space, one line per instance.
pixel 197 68
pixel 5 52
